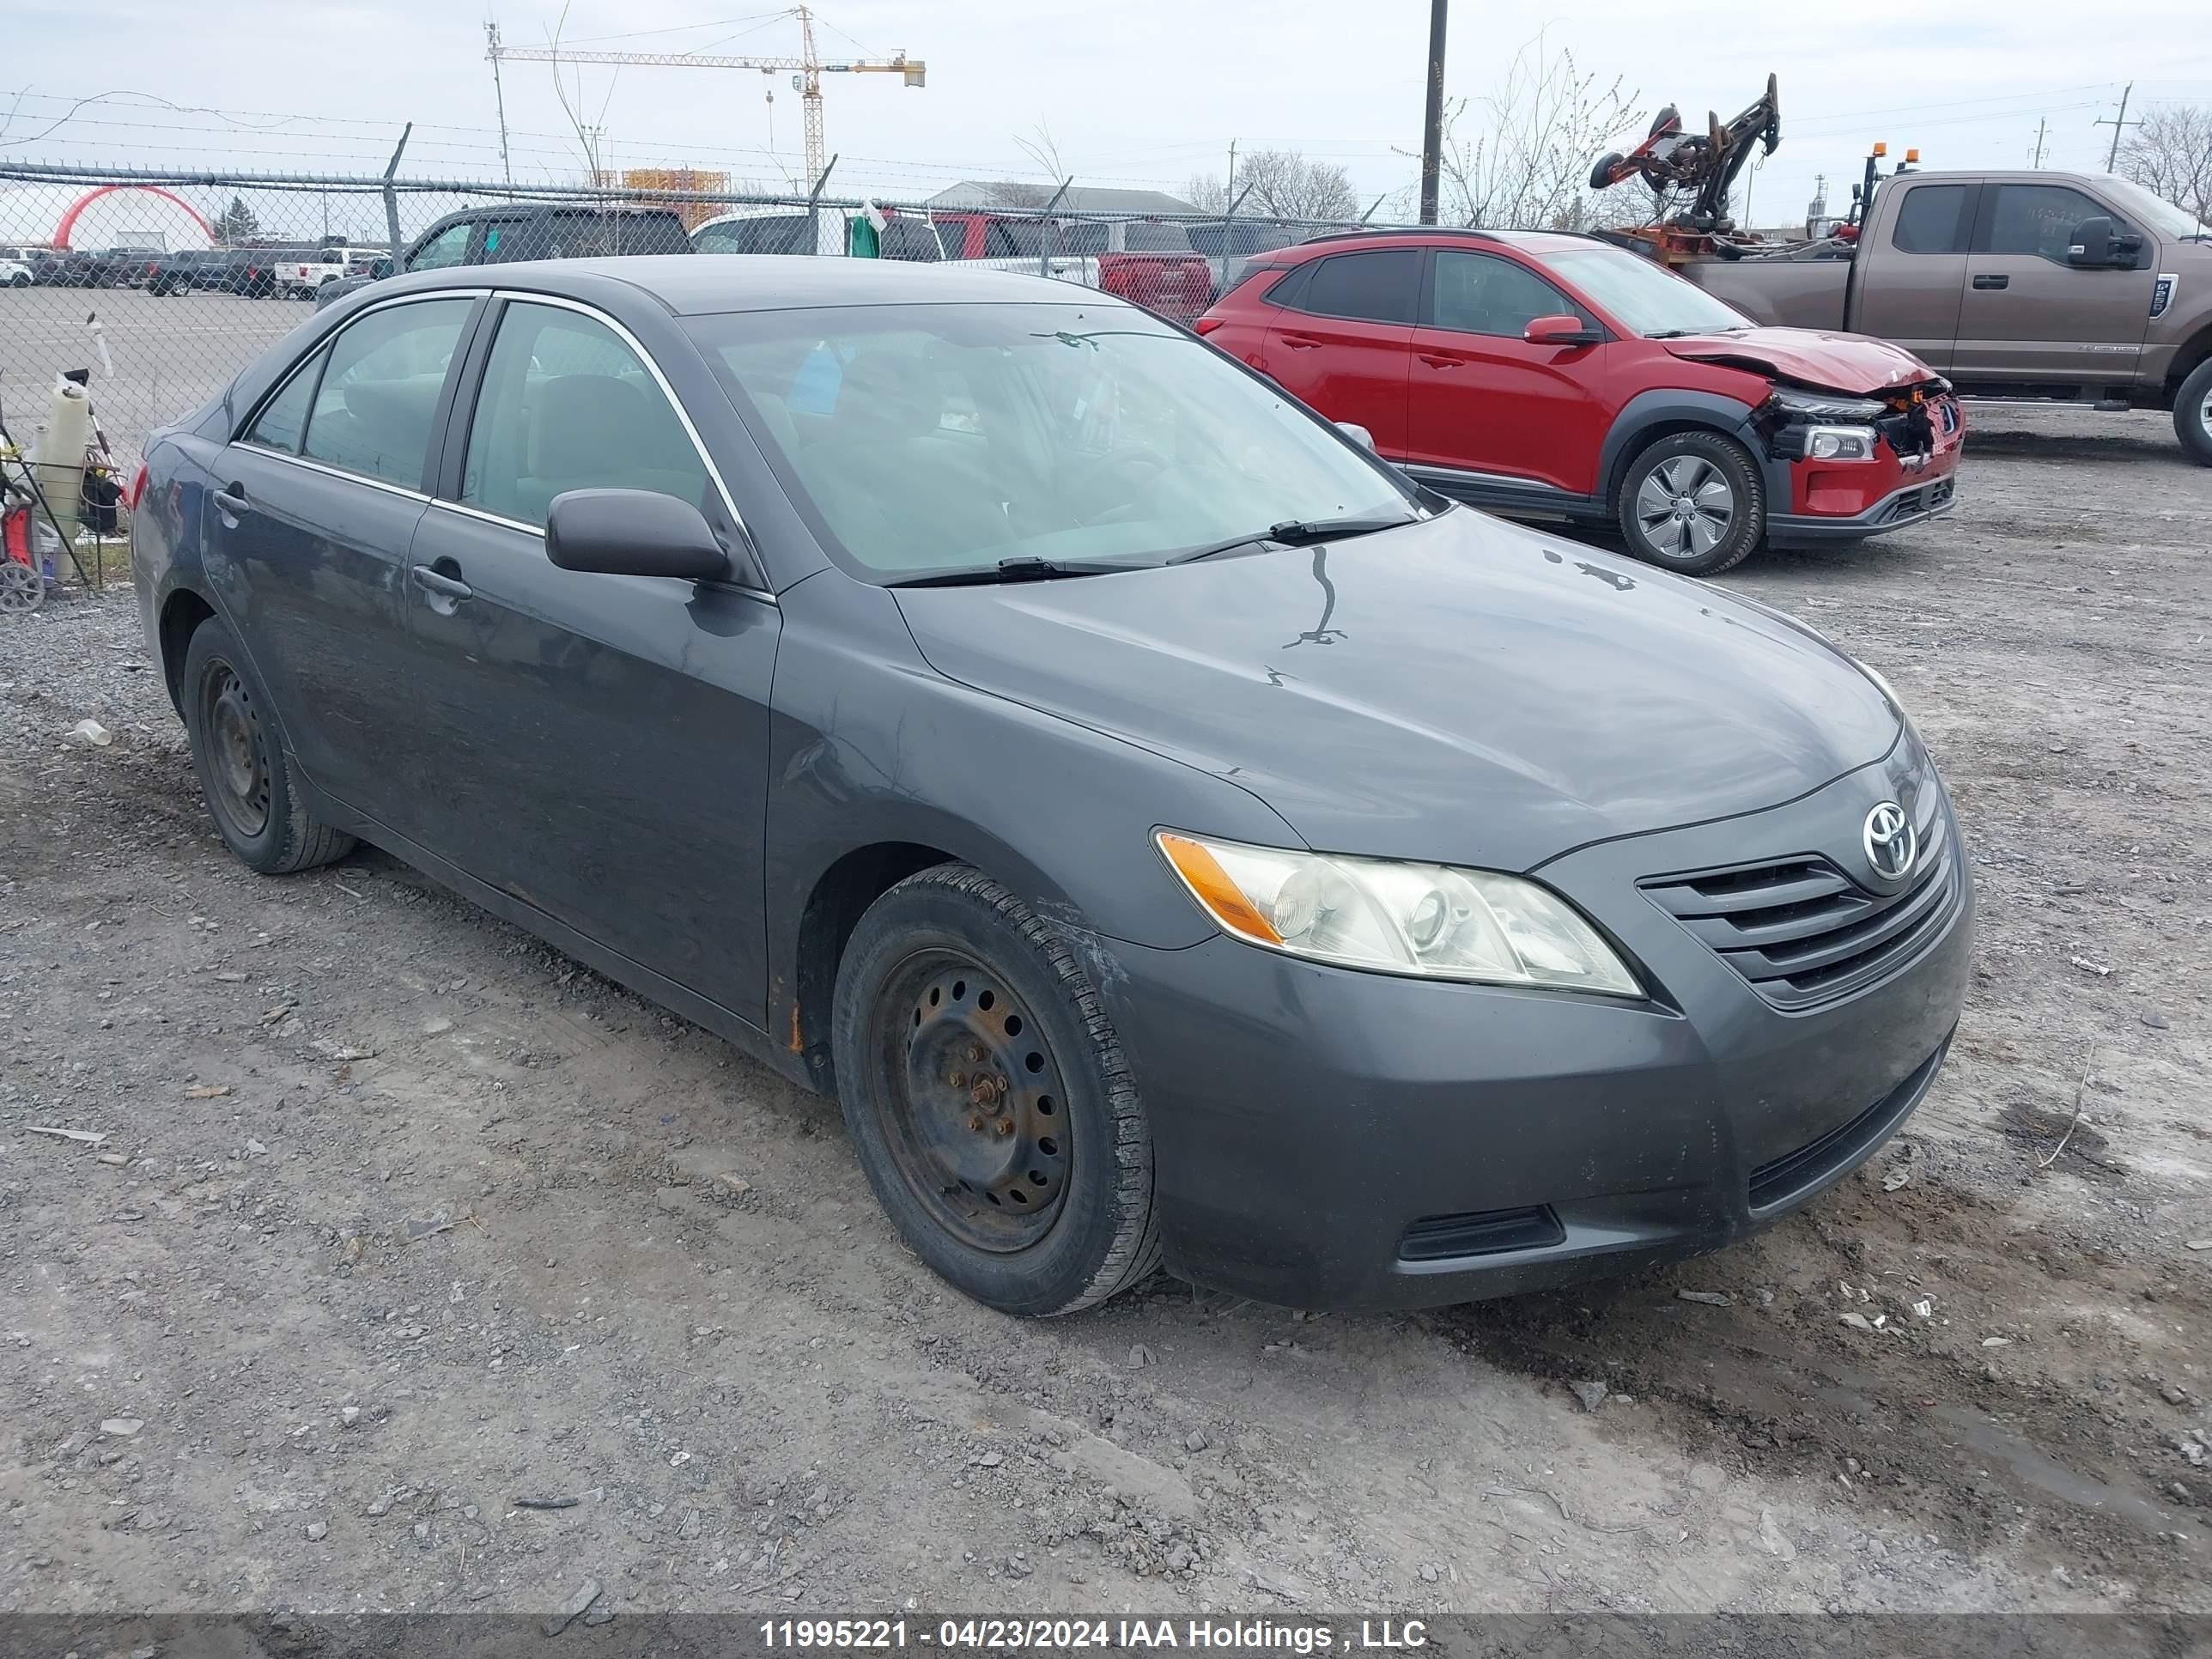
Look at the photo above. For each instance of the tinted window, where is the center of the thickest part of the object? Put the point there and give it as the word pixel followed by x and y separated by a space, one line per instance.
pixel 908 238
pixel 283 416
pixel 448 247
pixel 1376 288
pixel 2037 219
pixel 1478 294
pixel 567 404
pixel 1933 220
pixel 1085 239
pixel 783 233
pixel 1012 239
pixel 373 412
pixel 1147 238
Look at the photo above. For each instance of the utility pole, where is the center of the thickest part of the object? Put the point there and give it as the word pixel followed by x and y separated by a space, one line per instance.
pixel 2040 126
pixel 1432 122
pixel 499 96
pixel 2112 158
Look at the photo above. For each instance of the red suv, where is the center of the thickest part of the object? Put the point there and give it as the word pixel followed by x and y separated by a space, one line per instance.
pixel 1559 376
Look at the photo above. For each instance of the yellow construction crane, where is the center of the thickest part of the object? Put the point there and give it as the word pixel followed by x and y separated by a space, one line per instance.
pixel 808 64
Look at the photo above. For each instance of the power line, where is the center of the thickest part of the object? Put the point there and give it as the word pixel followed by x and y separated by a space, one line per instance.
pixel 2117 124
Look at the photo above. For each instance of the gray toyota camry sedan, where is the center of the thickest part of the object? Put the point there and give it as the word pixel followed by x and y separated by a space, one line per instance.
pixel 1173 836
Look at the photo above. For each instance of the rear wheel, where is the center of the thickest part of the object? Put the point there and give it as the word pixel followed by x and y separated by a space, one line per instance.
pixel 988 1098
pixel 2192 414
pixel 238 750
pixel 1692 502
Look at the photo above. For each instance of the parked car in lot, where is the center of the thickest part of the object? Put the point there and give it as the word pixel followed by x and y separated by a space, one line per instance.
pixel 1556 376
pixel 132 267
pixel 248 271
pixel 1228 245
pixel 13 273
pixel 2065 288
pixel 1171 833
pixel 828 231
pixel 1151 262
pixel 523 230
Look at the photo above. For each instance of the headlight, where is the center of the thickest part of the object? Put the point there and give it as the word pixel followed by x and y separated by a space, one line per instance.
pixel 1840 443
pixel 1826 406
pixel 1431 919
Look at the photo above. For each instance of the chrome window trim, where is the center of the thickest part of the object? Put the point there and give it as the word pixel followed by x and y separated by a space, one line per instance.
pixel 322 344
pixel 330 472
pixel 530 297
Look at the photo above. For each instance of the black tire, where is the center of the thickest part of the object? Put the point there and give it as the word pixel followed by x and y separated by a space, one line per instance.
pixel 2192 414
pixel 1075 1229
pixel 1725 514
pixel 248 777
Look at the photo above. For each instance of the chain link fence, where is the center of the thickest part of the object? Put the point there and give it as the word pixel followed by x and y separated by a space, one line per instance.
pixel 156 287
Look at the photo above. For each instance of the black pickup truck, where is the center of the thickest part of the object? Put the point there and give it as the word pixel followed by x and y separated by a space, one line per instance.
pixel 526 230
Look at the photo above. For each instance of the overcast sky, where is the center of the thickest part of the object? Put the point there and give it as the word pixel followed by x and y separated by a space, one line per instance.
pixel 1141 92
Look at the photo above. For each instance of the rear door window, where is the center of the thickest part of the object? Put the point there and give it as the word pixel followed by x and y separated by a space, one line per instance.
pixel 1932 219
pixel 1379 287
pixel 568 404
pixel 284 416
pixel 378 397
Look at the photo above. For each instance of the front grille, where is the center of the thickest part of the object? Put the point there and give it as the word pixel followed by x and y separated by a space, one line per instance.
pixel 1802 932
pixel 1842 1145
pixel 1482 1233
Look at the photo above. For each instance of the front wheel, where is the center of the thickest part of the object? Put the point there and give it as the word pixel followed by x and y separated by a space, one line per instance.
pixel 2192 414
pixel 1692 502
pixel 250 783
pixel 988 1099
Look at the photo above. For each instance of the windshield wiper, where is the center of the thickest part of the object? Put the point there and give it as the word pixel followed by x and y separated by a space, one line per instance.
pixel 1015 570
pixel 1684 333
pixel 1294 532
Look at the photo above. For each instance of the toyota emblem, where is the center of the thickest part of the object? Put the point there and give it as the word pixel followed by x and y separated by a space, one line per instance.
pixel 1890 844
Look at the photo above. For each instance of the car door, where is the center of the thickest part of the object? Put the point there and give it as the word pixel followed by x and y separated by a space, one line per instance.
pixel 1340 342
pixel 1479 399
pixel 2028 315
pixel 1918 277
pixel 595 746
pixel 306 540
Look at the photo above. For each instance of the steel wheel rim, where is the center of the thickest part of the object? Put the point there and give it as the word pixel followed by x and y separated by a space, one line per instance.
pixel 1685 506
pixel 237 751
pixel 22 588
pixel 2204 415
pixel 972 1101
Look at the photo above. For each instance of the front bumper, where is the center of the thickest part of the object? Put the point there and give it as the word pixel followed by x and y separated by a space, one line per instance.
pixel 1326 1138
pixel 1829 502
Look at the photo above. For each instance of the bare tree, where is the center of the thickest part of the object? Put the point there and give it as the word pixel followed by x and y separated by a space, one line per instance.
pixel 1206 192
pixel 1281 183
pixel 2170 155
pixel 1520 157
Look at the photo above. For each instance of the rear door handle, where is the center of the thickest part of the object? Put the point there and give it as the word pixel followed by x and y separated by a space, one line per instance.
pixel 1991 282
pixel 232 500
pixel 436 581
pixel 1435 362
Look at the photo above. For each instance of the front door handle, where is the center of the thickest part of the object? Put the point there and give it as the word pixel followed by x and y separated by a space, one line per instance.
pixel 1435 362
pixel 1991 282
pixel 437 582
pixel 1300 341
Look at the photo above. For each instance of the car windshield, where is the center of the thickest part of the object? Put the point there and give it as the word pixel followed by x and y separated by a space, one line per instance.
pixel 940 439
pixel 2155 212
pixel 1639 295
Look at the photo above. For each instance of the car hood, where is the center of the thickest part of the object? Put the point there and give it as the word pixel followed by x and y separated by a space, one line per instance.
pixel 1460 690
pixel 1809 356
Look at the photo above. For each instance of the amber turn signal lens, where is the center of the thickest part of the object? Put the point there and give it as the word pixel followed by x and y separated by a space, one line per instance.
pixel 1210 885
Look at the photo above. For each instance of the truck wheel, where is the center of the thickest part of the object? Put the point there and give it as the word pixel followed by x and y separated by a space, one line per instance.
pixel 1693 503
pixel 988 1098
pixel 2192 414
pixel 250 782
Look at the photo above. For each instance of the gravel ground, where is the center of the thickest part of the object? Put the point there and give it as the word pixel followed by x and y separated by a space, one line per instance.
pixel 403 1219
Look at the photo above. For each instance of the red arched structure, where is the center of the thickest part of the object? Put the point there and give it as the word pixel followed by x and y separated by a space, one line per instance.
pixel 68 219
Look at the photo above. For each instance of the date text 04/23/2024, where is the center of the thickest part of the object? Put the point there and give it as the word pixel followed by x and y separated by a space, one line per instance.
pixel 1252 1635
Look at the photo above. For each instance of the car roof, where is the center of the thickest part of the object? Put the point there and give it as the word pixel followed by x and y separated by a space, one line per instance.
pixel 1535 243
pixel 693 285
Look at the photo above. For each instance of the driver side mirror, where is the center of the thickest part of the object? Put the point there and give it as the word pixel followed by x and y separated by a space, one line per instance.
pixel 1561 330
pixel 379 270
pixel 2096 244
pixel 632 532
